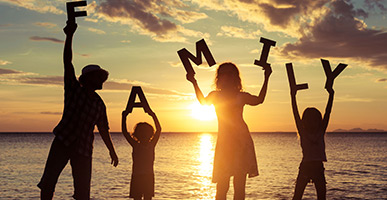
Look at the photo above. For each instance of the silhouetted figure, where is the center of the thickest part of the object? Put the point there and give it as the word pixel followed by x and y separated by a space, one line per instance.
pixel 83 109
pixel 234 152
pixel 311 129
pixel 143 141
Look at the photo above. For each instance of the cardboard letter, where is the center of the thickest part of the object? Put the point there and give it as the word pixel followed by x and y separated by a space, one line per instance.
pixel 331 75
pixel 201 47
pixel 136 90
pixel 71 14
pixel 265 52
pixel 292 79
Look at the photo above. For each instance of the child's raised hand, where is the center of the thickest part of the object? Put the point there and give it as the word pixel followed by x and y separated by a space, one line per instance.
pixel 125 113
pixel 151 113
pixel 267 71
pixel 70 28
pixel 330 90
pixel 191 78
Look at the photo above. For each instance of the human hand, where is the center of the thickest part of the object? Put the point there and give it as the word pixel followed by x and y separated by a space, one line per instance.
pixel 70 28
pixel 150 112
pixel 293 91
pixel 114 158
pixel 330 90
pixel 125 113
pixel 191 78
pixel 268 71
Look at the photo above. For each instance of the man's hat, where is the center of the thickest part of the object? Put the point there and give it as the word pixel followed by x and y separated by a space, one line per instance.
pixel 90 68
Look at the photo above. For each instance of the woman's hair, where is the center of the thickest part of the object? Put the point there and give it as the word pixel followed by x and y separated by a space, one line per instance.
pixel 100 73
pixel 234 78
pixel 311 118
pixel 143 131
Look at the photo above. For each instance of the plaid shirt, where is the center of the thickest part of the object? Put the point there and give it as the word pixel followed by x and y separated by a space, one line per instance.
pixel 80 114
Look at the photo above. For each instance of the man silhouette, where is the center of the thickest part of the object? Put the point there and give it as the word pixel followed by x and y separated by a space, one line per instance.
pixel 83 109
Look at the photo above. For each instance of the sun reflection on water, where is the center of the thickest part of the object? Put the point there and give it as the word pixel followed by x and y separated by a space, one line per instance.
pixel 204 170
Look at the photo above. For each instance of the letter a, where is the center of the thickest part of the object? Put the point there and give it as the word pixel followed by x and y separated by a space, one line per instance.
pixel 136 90
pixel 292 79
pixel 71 14
pixel 331 75
pixel 201 47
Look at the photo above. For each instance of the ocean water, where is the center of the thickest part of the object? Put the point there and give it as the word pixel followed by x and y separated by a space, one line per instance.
pixel 356 167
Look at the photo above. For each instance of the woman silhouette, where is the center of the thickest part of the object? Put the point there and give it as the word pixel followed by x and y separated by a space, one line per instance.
pixel 234 152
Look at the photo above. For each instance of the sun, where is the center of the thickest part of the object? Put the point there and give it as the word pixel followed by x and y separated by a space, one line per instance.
pixel 202 112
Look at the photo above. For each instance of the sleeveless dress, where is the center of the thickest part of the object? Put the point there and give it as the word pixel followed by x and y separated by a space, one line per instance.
pixel 234 151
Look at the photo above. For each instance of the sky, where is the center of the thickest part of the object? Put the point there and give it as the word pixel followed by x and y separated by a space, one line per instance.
pixel 137 42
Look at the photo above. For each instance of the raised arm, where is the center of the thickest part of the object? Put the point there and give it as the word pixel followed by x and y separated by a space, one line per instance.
pixel 124 130
pixel 296 114
pixel 328 109
pixel 198 92
pixel 69 74
pixel 156 137
pixel 255 100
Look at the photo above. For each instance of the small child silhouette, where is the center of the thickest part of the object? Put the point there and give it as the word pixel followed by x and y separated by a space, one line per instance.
pixel 143 141
pixel 311 129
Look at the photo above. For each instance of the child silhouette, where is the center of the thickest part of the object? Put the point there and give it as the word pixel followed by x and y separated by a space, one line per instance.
pixel 311 129
pixel 143 141
pixel 234 152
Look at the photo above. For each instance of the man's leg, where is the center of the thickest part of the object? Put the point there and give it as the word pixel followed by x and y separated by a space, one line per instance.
pixel 56 161
pixel 81 169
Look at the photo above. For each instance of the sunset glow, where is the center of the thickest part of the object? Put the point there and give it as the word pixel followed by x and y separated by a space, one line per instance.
pixel 142 51
pixel 202 112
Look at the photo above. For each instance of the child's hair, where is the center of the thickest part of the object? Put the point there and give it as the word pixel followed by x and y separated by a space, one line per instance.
pixel 235 79
pixel 311 118
pixel 143 131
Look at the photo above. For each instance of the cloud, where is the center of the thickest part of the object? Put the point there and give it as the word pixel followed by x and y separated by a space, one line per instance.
pixel 88 19
pixel 381 80
pixel 83 55
pixel 45 24
pixel 42 80
pixel 235 32
pixel 7 76
pixel 126 41
pixel 150 17
pixel 127 85
pixel 341 34
pixel 4 62
pixel 274 16
pixel 37 5
pixel 98 31
pixel 8 71
pixel 38 38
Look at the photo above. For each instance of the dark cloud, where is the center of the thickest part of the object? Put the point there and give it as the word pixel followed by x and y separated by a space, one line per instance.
pixel 382 80
pixel 37 38
pixel 341 34
pixel 9 71
pixel 376 4
pixel 137 11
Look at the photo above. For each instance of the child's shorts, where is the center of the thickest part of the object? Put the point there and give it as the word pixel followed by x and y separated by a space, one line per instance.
pixel 141 185
pixel 312 171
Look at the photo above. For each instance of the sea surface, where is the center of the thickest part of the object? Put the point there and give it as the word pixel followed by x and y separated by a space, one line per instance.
pixel 356 167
